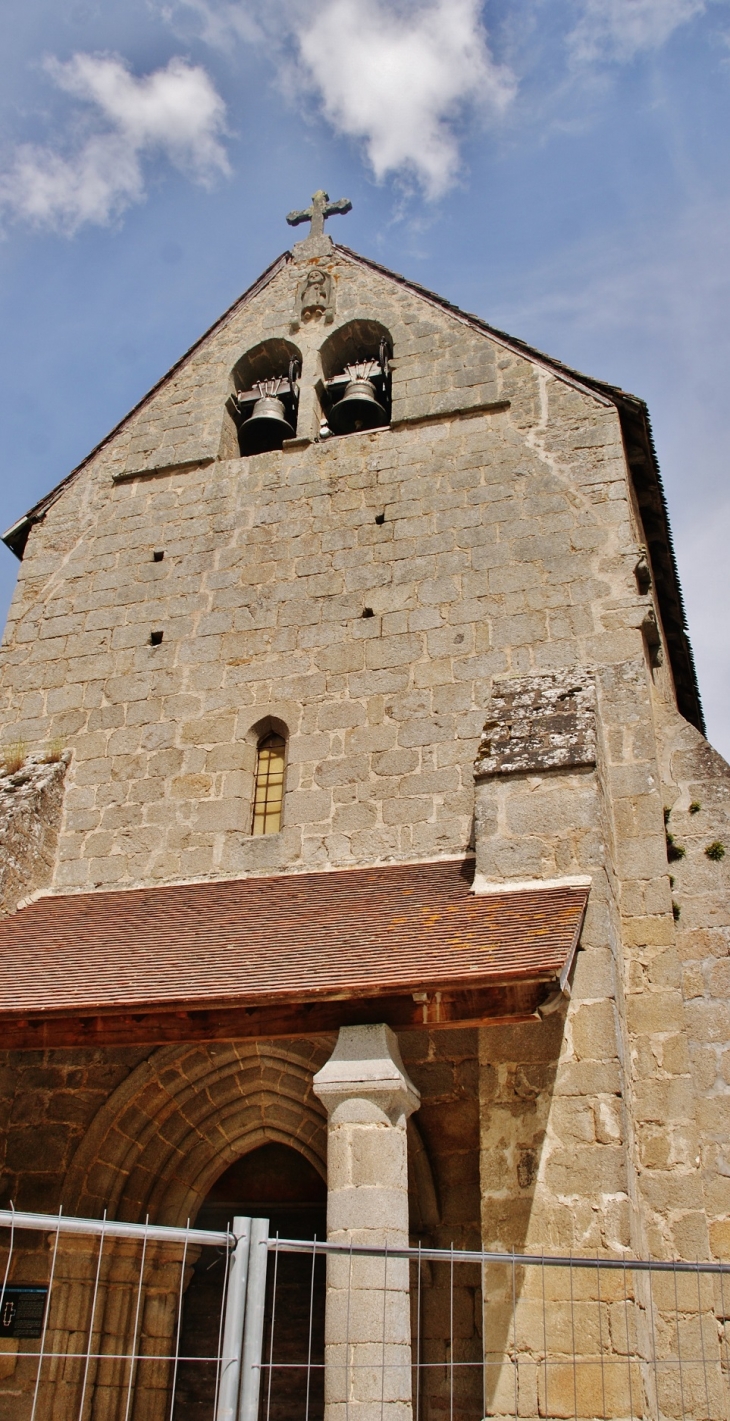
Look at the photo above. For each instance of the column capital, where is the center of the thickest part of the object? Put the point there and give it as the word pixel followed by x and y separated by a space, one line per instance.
pixel 365 1075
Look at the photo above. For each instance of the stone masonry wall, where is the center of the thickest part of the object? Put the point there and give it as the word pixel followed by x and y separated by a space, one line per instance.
pixel 48 1100
pixel 85 1129
pixel 505 554
pixel 591 1122
pixel 696 782
pixel 624 1020
pixel 508 545
pixel 556 1161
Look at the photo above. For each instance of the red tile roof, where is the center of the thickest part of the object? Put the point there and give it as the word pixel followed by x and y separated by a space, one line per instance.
pixel 295 938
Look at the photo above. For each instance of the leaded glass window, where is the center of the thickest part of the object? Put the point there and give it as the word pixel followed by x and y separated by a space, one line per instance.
pixel 269 792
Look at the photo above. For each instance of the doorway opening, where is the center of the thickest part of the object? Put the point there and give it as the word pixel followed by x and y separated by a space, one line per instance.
pixel 277 1183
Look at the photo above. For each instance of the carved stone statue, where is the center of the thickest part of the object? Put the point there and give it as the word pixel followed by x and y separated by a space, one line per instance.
pixel 314 299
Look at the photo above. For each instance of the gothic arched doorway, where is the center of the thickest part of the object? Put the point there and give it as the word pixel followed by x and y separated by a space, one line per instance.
pixel 274 1182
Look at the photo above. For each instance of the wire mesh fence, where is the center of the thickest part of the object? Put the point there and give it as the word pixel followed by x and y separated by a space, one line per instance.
pixel 102 1321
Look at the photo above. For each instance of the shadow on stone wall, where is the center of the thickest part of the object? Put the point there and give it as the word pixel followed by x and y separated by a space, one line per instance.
pixel 518 1075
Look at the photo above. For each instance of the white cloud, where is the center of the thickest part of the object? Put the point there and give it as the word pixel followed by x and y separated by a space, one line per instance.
pixel 220 21
pixel 396 75
pixel 621 29
pixel 398 80
pixel 174 111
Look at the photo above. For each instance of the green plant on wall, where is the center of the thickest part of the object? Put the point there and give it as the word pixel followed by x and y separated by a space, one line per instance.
pixel 14 756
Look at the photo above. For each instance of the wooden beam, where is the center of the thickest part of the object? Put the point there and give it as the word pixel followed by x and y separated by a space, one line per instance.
pixel 493 1005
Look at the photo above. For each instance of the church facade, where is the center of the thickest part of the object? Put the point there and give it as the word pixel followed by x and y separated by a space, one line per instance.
pixel 368 707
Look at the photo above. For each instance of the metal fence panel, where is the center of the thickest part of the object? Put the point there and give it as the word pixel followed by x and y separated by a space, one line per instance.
pixel 94 1327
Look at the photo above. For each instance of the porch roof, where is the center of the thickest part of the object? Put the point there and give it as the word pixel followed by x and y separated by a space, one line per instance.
pixel 286 955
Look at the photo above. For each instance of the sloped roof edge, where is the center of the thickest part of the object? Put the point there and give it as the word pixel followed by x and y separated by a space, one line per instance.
pixel 638 440
pixel 286 954
pixel 605 393
pixel 16 537
pixel 645 472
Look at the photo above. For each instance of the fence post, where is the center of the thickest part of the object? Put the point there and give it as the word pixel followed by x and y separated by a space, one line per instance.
pixel 234 1320
pixel 253 1331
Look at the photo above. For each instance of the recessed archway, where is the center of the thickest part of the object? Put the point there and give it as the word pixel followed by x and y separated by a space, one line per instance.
pixel 269 360
pixel 275 1182
pixel 183 1116
pixel 161 1147
pixel 156 1149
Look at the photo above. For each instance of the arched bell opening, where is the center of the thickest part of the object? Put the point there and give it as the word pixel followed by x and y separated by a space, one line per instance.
pixel 355 392
pixel 275 1182
pixel 264 398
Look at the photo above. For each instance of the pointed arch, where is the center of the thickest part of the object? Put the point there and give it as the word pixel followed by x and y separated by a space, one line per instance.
pixel 183 1116
pixel 177 1122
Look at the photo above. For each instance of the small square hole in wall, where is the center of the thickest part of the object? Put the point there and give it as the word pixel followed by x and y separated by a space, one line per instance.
pixel 158 554
pixel 380 518
pixel 368 612
pixel 155 638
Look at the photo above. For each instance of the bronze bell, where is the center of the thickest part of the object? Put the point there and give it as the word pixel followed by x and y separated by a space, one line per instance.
pixel 267 427
pixel 359 407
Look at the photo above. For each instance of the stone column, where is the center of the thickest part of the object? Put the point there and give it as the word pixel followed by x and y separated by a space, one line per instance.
pixel 368 1098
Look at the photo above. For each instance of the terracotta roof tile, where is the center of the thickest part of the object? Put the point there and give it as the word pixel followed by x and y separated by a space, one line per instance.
pixel 359 933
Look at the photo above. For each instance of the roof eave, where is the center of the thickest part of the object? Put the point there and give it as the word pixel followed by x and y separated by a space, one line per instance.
pixel 15 538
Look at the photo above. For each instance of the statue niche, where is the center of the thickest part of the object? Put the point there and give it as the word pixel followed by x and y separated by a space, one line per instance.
pixel 315 299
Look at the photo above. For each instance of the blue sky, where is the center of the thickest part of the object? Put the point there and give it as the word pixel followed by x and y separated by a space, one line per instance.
pixel 559 167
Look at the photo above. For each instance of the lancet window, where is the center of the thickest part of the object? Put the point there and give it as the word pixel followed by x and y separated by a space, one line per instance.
pixel 268 800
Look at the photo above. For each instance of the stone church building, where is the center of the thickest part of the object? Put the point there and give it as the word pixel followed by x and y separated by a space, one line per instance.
pixel 363 853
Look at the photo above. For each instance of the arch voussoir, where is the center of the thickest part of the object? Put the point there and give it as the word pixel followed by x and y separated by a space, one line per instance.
pixel 183 1116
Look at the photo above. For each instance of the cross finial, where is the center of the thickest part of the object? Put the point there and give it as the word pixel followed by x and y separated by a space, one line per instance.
pixel 316 214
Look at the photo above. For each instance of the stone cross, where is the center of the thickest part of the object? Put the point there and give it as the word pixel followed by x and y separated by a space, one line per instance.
pixel 316 214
